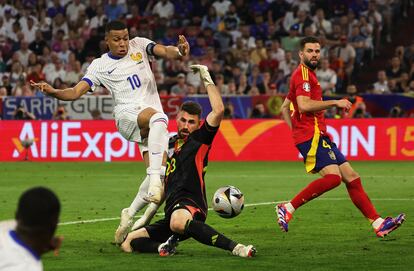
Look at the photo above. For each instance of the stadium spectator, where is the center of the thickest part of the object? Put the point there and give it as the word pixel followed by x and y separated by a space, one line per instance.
pixel 259 112
pixel 376 20
pixel 29 29
pixel 99 20
pixel 73 10
pixel 319 153
pixel 259 53
pixel 96 114
pixel 22 114
pixel 164 9
pixel 55 9
pixel 357 101
pixel 221 7
pixel 210 20
pixel 231 21
pixel 73 76
pixel 113 10
pixel 24 240
pixel 395 70
pixel 381 86
pixel 327 77
pixel 60 113
pixel 285 64
pixel 361 112
pixel 38 43
pixel 181 88
pixel 248 41
pixel 186 208
pixel 322 26
pixel 229 110
pixel 291 42
pixel 393 86
pixel 396 112
pixel 347 54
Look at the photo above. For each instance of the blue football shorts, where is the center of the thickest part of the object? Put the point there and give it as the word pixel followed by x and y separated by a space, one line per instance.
pixel 320 152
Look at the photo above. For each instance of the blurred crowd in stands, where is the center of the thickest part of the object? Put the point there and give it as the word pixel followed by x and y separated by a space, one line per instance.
pixel 250 47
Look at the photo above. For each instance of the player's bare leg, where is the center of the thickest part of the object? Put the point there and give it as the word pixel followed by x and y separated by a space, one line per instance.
pixel 157 140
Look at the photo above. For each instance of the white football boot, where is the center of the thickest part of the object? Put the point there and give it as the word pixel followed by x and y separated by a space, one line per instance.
pixel 124 225
pixel 244 251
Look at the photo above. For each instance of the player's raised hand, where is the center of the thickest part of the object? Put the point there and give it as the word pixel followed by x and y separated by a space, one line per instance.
pixel 183 46
pixel 344 103
pixel 43 86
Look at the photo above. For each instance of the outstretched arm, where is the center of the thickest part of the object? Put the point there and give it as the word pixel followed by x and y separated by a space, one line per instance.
pixel 173 52
pixel 67 94
pixel 306 104
pixel 217 107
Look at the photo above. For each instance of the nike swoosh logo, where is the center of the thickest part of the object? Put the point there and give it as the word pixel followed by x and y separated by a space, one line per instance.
pixel 109 72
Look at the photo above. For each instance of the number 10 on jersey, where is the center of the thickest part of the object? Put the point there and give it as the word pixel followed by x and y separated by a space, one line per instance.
pixel 134 81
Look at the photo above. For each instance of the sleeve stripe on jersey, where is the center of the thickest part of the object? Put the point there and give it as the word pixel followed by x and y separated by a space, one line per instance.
pixel 305 73
pixel 87 80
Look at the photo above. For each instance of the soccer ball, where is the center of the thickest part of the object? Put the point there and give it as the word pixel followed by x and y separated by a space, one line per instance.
pixel 228 201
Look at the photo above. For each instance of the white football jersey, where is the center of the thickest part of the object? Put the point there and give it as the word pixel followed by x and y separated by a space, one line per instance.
pixel 129 79
pixel 14 254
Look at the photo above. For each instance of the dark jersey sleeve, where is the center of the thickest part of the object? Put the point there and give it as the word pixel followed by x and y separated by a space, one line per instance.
pixel 205 134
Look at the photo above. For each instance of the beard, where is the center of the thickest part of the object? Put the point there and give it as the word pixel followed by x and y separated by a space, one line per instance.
pixel 310 65
pixel 183 133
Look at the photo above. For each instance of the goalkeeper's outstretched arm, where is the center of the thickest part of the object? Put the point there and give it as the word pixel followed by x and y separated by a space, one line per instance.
pixel 217 107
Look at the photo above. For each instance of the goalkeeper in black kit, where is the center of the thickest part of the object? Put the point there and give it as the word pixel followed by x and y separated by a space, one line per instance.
pixel 186 204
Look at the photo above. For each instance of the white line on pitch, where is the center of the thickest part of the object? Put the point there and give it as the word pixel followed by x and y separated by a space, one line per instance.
pixel 246 205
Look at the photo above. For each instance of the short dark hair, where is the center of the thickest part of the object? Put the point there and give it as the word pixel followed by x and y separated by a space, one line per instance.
pixel 114 25
pixel 38 210
pixel 192 108
pixel 310 39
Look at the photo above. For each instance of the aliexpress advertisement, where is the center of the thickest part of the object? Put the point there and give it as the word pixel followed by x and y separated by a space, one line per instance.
pixel 237 140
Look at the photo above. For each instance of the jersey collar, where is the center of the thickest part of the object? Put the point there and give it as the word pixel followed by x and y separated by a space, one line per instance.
pixel 113 57
pixel 14 236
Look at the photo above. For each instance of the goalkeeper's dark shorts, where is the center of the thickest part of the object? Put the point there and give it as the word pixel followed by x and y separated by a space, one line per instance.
pixel 160 231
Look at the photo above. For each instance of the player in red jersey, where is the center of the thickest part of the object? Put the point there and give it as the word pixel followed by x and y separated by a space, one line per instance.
pixel 320 154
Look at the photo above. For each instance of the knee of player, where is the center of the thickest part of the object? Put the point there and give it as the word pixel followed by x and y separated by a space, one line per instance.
pixel 351 176
pixel 158 117
pixel 177 225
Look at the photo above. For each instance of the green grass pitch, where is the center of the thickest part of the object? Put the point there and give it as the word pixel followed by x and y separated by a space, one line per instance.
pixel 326 234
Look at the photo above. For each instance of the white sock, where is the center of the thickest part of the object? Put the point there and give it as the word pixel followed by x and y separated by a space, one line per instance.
pixel 290 208
pixel 157 140
pixel 139 202
pixel 377 222
pixel 145 219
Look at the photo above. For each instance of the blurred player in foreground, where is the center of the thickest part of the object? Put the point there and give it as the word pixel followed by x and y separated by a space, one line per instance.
pixel 186 203
pixel 24 240
pixel 126 72
pixel 319 152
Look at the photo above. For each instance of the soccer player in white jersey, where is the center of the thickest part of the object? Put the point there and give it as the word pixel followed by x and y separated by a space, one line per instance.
pixel 125 71
pixel 24 240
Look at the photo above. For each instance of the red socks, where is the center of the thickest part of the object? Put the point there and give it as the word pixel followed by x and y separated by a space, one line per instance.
pixel 361 200
pixel 317 188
